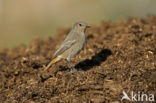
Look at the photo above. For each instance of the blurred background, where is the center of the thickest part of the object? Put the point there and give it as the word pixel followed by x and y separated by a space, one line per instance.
pixel 22 20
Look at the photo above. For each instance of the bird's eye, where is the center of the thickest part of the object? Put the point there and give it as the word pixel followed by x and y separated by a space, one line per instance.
pixel 80 24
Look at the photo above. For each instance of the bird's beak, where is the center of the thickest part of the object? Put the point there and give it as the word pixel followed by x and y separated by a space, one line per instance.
pixel 88 26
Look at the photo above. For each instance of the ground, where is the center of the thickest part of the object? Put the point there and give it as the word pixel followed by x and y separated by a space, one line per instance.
pixel 117 57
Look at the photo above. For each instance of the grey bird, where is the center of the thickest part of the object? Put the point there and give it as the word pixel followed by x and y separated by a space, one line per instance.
pixel 72 45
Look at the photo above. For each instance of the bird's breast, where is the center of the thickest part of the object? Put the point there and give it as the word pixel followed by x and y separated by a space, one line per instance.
pixel 81 40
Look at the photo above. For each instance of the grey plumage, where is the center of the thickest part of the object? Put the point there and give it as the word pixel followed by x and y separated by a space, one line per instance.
pixel 72 45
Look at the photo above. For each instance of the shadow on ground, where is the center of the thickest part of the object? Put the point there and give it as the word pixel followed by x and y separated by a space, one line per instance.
pixel 96 60
pixel 87 64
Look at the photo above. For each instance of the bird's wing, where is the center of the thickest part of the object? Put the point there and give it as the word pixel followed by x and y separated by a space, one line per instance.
pixel 66 45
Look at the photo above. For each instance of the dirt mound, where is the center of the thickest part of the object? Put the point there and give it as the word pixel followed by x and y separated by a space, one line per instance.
pixel 118 56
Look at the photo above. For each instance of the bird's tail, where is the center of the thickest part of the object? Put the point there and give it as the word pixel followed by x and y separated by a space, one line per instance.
pixel 52 62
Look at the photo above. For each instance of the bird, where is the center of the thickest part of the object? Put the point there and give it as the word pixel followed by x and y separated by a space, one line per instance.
pixel 71 46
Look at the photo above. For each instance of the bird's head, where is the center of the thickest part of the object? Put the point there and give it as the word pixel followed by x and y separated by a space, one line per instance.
pixel 81 26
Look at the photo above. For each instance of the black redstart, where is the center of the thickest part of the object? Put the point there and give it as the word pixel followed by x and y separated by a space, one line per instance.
pixel 72 45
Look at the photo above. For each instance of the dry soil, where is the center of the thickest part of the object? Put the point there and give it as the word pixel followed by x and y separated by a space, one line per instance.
pixel 117 57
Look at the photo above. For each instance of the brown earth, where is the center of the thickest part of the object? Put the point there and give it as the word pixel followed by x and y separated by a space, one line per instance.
pixel 118 56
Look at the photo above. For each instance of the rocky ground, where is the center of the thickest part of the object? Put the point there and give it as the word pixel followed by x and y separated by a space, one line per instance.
pixel 117 57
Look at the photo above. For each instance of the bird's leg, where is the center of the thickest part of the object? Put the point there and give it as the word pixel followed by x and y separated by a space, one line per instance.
pixel 70 65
